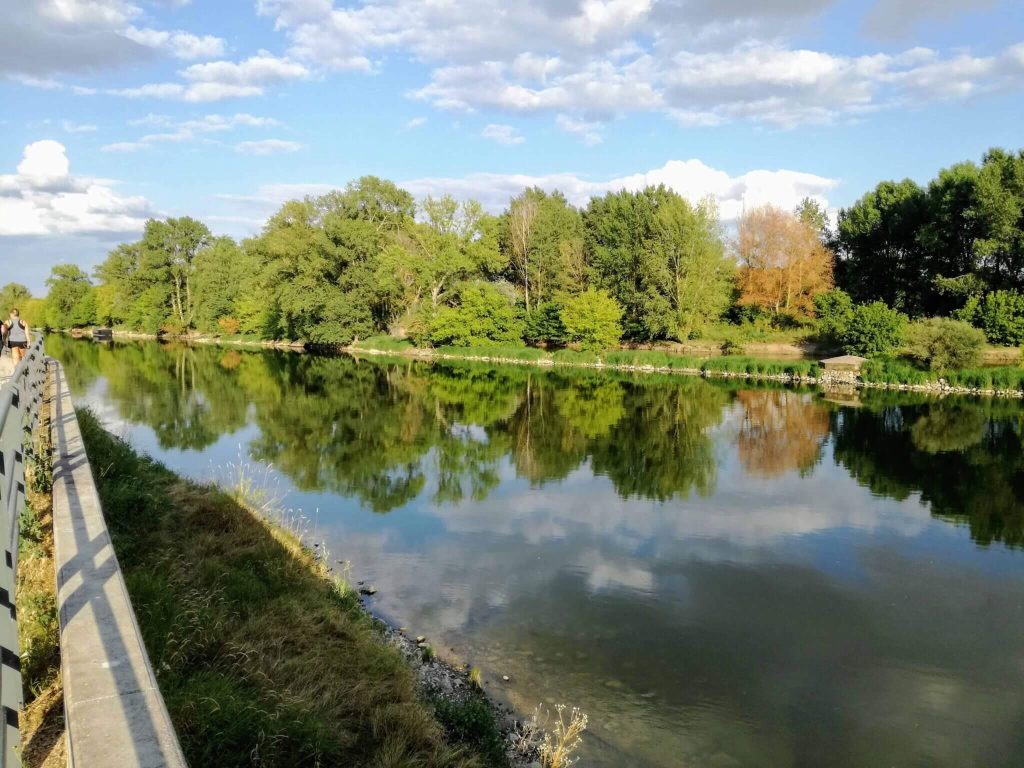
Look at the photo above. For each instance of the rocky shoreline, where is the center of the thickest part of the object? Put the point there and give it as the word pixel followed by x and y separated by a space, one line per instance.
pixel 439 678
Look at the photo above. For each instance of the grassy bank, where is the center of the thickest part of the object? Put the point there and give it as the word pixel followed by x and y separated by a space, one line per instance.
pixel 42 719
pixel 262 657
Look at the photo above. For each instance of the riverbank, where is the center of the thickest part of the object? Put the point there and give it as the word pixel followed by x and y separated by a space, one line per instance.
pixel 875 375
pixel 994 381
pixel 260 650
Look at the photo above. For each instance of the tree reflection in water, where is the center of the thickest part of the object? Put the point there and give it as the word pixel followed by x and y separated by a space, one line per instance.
pixel 389 431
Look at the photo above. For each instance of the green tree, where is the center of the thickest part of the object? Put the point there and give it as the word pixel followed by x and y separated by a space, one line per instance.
pixel 423 261
pixel 592 319
pixel 879 255
pixel 171 247
pixel 661 258
pixel 482 316
pixel 316 278
pixel 13 296
pixel 222 272
pixel 544 325
pixel 688 266
pixel 942 343
pixel 874 329
pixel 1000 207
pixel 813 214
pixel 833 310
pixel 1000 314
pixel 71 302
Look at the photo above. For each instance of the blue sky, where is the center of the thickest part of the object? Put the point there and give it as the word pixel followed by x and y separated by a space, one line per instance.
pixel 118 110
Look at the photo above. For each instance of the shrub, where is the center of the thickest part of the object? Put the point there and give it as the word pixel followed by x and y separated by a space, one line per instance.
pixel 874 329
pixel 592 319
pixel 544 325
pixel 941 342
pixel 483 317
pixel 730 347
pixel 1000 314
pixel 834 310
pixel 229 326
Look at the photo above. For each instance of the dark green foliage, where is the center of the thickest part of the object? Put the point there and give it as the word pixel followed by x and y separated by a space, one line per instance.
pixel 662 259
pixel 833 310
pixel 874 329
pixel 544 325
pixel 1000 314
pixel 472 722
pixel 903 244
pixel 940 343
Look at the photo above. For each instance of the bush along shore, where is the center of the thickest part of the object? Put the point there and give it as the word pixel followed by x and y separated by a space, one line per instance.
pixel 264 656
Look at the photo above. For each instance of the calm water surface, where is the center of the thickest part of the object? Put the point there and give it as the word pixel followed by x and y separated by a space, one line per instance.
pixel 718 574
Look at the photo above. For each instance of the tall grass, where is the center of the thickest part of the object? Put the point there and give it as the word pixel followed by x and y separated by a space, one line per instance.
pixel 262 659
pixel 896 371
pixel 383 343
pixel 531 354
pixel 754 366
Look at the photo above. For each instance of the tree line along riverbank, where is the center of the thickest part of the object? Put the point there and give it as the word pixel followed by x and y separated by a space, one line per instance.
pixel 933 269
pixel 262 653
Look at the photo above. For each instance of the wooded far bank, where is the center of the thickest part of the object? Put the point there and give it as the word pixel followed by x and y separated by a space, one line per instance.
pixel 938 268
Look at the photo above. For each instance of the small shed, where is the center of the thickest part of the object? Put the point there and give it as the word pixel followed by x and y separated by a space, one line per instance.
pixel 845 363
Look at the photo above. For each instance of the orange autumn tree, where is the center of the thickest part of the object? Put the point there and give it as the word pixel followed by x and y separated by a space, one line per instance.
pixel 783 263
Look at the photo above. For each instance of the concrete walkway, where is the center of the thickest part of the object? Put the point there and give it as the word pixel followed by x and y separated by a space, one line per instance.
pixel 115 715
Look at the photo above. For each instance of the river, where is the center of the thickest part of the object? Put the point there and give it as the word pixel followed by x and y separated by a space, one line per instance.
pixel 717 573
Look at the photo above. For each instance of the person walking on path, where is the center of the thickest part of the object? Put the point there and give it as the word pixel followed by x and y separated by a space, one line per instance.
pixel 18 336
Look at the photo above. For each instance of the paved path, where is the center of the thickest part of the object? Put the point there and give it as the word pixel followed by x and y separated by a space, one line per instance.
pixel 115 714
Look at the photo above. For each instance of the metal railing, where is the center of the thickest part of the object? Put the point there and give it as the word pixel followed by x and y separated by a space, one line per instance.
pixel 20 398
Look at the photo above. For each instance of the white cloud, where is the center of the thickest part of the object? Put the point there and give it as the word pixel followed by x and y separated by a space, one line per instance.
pixel 197 129
pixel 123 146
pixel 43 198
pixel 690 178
pixel 73 127
pixel 416 122
pixel 267 147
pixel 503 134
pixel 219 80
pixel 181 45
pixel 589 132
pixel 261 69
pixel 40 38
pixel 701 62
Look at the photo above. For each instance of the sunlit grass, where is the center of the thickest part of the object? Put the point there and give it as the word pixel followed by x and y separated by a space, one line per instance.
pixel 263 657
